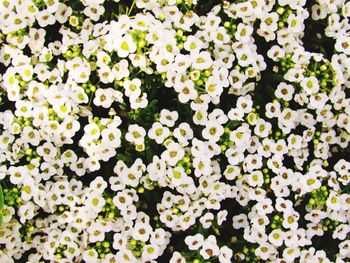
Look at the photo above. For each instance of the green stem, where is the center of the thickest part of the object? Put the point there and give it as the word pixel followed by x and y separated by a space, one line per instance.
pixel 345 189
pixel 131 7
pixel 90 99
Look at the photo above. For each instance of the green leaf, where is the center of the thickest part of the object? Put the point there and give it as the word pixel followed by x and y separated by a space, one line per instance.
pixel 1 204
pixel 1 198
pixel 149 154
pixel 122 157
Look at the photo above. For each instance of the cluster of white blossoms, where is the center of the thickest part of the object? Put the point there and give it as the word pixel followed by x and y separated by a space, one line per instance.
pixel 175 131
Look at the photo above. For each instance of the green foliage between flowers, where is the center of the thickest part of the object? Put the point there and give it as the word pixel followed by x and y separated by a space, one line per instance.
pixel 1 204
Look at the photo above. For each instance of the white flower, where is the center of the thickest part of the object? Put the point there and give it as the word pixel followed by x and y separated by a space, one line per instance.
pixel 30 135
pixel 139 102
pixel 194 242
pixel 121 69
pixel 234 155
pixel 240 221
pixel 96 233
pixel 200 117
pixel 177 258
pixel 341 231
pixel 183 133
pixel 173 153
pixel 342 44
pixel 141 231
pixel 168 118
pixel 310 85
pixel 124 46
pixel 309 182
pixel 63 12
pixel 177 176
pixel 92 130
pixel 201 60
pixel 138 60
pixel 259 222
pixel 29 189
pixel 131 176
pixel 181 63
pixel 26 72
pixel 132 87
pixel 45 18
pixel 150 252
pixel 23 108
pixel 243 32
pixel 269 22
pixel 62 108
pixel 26 211
pixel 201 103
pixel 273 109
pixel 315 216
pixel 284 91
pixel 231 172
pixel 241 135
pixel 104 97
pixel 119 241
pixel 289 254
pixel 252 162
pixel 276 237
pixel 290 220
pixel 333 201
pixel 213 86
pixel 262 128
pixel 122 200
pixel 264 251
pixel 202 166
pixel 163 61
pixel 295 23
pixel 48 151
pixel 94 11
pixel 212 131
pixel 344 249
pixel 193 44
pixel 206 220
pixel 7 213
pixel 135 134
pixel 220 36
pixel 225 255
pixel 105 74
pixel 126 255
pixel 111 136
pixel 90 256
pixel 209 248
pixel 95 201
pixel 186 91
pixel 255 178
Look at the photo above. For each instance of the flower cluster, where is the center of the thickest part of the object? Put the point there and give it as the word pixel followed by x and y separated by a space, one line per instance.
pixel 175 131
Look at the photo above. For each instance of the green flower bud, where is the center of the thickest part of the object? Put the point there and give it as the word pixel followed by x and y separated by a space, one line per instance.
pixel 245 250
pixel 223 148
pixel 323 67
pixel 323 84
pixel 106 244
